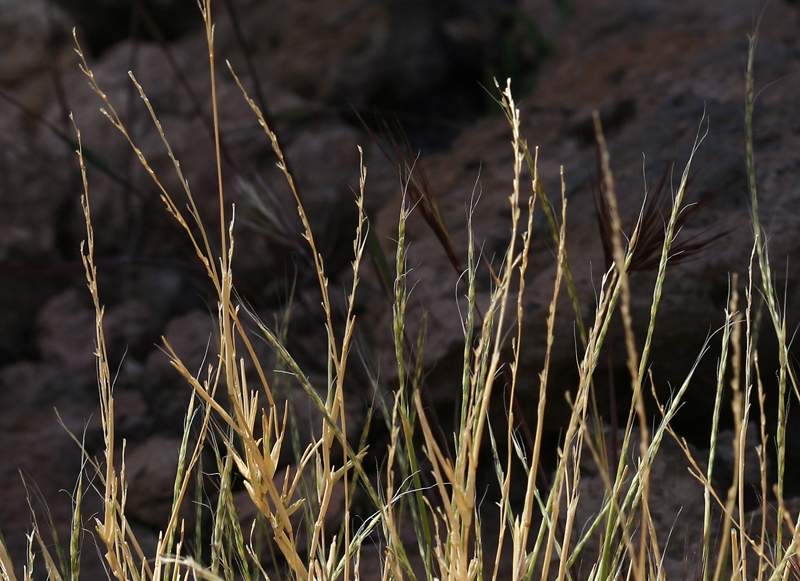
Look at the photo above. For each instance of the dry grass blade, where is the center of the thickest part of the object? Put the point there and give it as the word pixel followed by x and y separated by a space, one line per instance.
pixel 524 520
pixel 113 530
pixel 6 566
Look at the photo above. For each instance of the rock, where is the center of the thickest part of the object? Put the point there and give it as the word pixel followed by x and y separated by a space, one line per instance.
pixel 67 334
pixel 36 49
pixel 34 185
pixel 150 470
pixel 418 57
pixel 34 446
pixel 166 392
pixel 105 22
pixel 651 70
pixel 34 35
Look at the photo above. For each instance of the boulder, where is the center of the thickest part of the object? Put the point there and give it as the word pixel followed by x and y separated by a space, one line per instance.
pixel 657 73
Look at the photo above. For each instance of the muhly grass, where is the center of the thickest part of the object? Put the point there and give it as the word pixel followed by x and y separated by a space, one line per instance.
pixel 428 485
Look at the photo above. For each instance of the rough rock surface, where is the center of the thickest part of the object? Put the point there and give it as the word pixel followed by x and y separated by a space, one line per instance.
pixel 652 68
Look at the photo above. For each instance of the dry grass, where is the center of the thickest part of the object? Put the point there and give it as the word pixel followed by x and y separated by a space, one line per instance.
pixel 295 537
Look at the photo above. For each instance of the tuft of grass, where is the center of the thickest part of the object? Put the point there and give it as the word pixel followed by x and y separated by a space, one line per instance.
pixel 427 484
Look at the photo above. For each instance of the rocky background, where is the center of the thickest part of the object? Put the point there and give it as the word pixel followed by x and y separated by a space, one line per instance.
pixel 651 67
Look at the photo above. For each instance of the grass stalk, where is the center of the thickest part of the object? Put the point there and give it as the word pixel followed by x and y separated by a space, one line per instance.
pixel 429 483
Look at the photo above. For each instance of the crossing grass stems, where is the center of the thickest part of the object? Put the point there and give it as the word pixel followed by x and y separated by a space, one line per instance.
pixel 247 432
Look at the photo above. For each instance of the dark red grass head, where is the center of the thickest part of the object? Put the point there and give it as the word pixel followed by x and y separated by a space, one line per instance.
pixel 653 225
